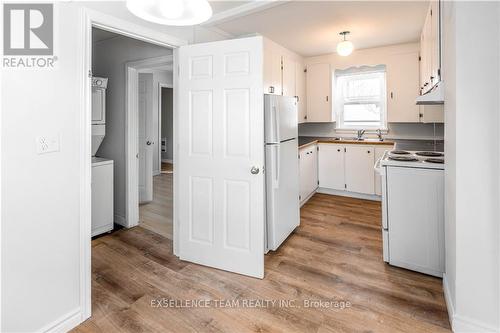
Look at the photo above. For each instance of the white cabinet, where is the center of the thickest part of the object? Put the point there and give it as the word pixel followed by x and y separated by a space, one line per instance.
pixel 308 171
pixel 102 196
pixel 300 91
pixel 430 45
pixel 98 106
pixel 359 173
pixel 318 86
pixel 331 166
pixel 272 68
pixel 403 88
pixel 288 76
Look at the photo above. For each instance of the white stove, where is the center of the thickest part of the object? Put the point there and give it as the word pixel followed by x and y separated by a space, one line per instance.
pixel 413 159
pixel 413 210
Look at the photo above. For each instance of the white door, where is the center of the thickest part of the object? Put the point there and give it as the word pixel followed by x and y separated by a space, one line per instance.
pixel 221 212
pixel 319 108
pixel 359 175
pixel 300 91
pixel 288 77
pixel 145 100
pixel 331 166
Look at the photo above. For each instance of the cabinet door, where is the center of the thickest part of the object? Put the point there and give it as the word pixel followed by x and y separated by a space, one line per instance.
pixel 426 54
pixel 98 105
pixel 359 162
pixel 272 68
pixel 300 91
pixel 403 88
pixel 303 174
pixel 331 166
pixel 313 169
pixel 288 77
pixel 318 85
pixel 434 43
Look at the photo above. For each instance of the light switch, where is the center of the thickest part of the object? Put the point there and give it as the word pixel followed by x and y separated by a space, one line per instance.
pixel 47 144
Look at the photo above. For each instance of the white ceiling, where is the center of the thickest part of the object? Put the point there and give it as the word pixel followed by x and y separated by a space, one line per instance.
pixel 311 27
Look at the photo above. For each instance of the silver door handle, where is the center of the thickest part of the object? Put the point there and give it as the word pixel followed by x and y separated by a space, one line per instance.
pixel 149 143
pixel 254 170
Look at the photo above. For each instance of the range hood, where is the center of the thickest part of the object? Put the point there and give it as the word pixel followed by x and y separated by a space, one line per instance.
pixel 432 97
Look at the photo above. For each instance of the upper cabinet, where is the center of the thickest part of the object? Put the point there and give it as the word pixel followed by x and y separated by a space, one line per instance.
pixel 284 75
pixel 402 88
pixel 318 87
pixel 430 64
pixel 300 91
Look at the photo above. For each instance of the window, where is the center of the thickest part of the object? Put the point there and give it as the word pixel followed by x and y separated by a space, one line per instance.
pixel 360 98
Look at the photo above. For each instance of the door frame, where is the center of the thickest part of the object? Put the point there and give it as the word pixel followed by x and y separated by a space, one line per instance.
pixel 162 85
pixel 133 69
pixel 91 18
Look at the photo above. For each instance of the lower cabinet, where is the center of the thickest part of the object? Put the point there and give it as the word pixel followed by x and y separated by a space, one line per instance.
pixel 308 171
pixel 349 167
pixel 331 166
pixel 359 172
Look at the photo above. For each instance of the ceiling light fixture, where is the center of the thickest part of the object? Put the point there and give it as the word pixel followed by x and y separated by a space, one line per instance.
pixel 171 12
pixel 345 47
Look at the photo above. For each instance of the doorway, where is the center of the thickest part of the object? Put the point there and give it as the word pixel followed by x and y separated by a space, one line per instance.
pixel 129 121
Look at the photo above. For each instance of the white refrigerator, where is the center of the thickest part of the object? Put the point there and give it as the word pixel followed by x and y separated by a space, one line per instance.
pixel 282 168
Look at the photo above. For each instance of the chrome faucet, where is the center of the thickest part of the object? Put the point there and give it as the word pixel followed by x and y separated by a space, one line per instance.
pixel 360 134
pixel 379 134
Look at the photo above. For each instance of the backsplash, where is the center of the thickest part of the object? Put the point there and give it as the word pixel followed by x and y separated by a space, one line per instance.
pixel 396 131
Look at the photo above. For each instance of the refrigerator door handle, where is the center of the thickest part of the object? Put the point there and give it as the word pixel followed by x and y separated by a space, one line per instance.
pixel 276 126
pixel 276 178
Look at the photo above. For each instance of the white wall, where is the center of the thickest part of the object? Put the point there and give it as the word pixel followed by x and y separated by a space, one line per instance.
pixel 471 75
pixel 40 194
pixel 109 59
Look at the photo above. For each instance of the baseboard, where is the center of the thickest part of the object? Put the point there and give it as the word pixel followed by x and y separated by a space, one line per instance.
pixel 349 194
pixel 118 219
pixel 65 323
pixel 307 199
pixel 460 323
pixel 167 161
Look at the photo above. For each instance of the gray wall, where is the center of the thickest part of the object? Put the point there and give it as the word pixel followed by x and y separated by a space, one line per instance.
pixel 396 131
pixel 167 122
pixel 109 59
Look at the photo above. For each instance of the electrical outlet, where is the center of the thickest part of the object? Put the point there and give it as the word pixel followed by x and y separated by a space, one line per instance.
pixel 47 144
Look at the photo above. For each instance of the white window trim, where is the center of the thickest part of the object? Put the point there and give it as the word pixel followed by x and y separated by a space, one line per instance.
pixel 339 115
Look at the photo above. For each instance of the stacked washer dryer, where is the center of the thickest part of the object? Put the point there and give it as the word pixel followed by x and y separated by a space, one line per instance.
pixel 102 168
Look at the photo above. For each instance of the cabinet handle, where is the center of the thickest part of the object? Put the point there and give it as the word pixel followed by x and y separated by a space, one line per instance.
pixel 271 89
pixel 338 150
pixel 392 95
pixel 327 98
pixel 369 151
pixel 426 84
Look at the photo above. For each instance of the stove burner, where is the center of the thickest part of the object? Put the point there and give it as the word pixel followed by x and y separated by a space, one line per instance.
pixel 403 158
pixel 434 160
pixel 399 152
pixel 429 153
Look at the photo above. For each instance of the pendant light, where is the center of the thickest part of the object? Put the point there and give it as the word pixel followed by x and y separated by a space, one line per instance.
pixel 171 12
pixel 345 47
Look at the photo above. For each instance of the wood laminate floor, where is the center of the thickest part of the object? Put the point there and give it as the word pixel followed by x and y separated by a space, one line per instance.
pixel 157 215
pixel 336 254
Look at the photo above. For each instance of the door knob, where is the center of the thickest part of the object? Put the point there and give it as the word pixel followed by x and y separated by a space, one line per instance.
pixel 254 170
pixel 149 143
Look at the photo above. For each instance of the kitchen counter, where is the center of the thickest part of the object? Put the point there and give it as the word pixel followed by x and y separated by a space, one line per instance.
pixel 400 144
pixel 309 140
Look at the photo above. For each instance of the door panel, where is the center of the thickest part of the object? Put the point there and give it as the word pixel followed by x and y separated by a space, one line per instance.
pixel 145 108
pixel 221 213
pixel 319 108
pixel 300 91
pixel 331 166
pixel 359 175
pixel 288 77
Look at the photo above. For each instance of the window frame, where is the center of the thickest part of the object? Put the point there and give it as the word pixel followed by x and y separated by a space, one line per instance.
pixel 339 101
